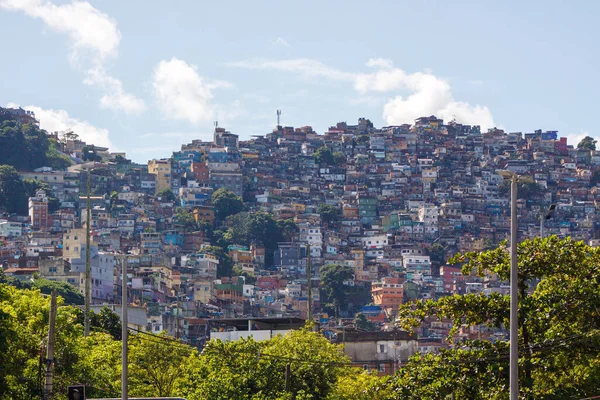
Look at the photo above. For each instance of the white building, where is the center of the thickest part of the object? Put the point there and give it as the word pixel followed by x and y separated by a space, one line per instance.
pixel 10 229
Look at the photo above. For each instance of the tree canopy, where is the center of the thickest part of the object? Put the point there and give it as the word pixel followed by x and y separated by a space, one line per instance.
pixel 323 155
pixel 225 266
pixel 184 217
pixel 527 188
pixel 167 195
pixel 159 365
pixel 587 143
pixel 258 228
pixel 14 191
pixel 361 322
pixel 333 289
pixel 329 213
pixel 26 147
pixel 558 326
pixel 226 203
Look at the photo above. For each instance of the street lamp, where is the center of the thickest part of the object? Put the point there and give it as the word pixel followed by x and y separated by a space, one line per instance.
pixel 514 293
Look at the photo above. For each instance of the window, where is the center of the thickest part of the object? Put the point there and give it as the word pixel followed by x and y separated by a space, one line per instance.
pixel 366 367
pixel 382 348
pixel 381 367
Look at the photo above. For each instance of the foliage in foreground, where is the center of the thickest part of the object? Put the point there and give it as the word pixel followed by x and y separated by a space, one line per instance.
pixel 159 365
pixel 559 335
pixel 559 321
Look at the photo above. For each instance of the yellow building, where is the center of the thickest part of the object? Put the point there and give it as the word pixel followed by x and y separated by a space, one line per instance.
pixel 162 170
pixel 74 243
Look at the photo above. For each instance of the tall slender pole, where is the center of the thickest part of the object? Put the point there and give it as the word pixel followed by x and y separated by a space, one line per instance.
pixel 124 332
pixel 542 226
pixel 50 349
pixel 514 324
pixel 309 277
pixel 177 318
pixel 88 270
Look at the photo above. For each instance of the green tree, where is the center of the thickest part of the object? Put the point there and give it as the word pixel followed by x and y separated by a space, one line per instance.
pixel 558 324
pixel 225 266
pixel 363 386
pixel 26 147
pixel 288 229
pixel 23 324
pixel 323 156
pixel 119 159
pixel 226 203
pixel 329 213
pixel 106 321
pixel 437 253
pixel 31 186
pixel 98 365
pixel 527 188
pixel 258 228
pixel 238 271
pixel 333 289
pixel 311 380
pixel 55 158
pixel 155 364
pixel 339 158
pixel 12 193
pixel 362 139
pixel 246 369
pixel 90 154
pixel 167 195
pixel 361 322
pixel 595 179
pixel 184 217
pixel 587 143
pixel 68 292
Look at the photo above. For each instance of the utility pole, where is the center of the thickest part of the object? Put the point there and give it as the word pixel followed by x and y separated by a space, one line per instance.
pixel 514 293
pixel 177 319
pixel 124 331
pixel 50 349
pixel 514 290
pixel 88 269
pixel 309 277
pixel 288 375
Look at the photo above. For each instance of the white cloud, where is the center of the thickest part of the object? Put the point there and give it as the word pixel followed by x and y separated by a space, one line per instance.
pixel 574 138
pixel 380 63
pixel 89 29
pixel 115 97
pixel 426 94
pixel 183 94
pixel 94 38
pixel 305 66
pixel 59 120
pixel 282 42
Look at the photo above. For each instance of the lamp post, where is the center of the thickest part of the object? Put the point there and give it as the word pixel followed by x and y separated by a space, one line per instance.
pixel 514 293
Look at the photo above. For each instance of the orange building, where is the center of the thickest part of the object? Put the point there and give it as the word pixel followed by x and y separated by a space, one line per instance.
pixel 241 256
pixel 388 293
pixel 204 214
pixel 199 171
pixel 38 211
pixel 350 212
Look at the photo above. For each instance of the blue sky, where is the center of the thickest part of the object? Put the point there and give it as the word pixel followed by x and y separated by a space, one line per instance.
pixel 144 77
